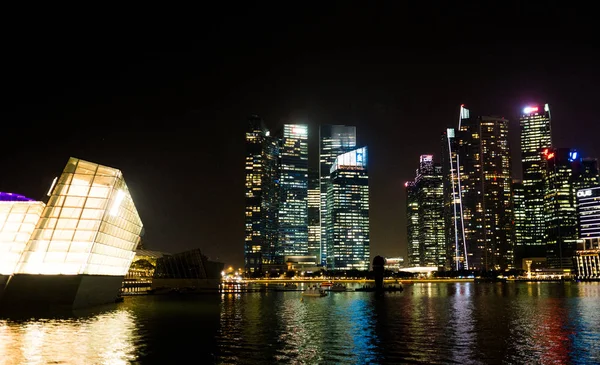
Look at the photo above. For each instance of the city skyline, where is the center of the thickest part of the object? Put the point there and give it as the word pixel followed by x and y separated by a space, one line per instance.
pixel 176 121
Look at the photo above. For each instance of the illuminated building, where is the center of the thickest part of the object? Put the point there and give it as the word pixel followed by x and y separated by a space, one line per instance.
pixel 261 194
pixel 347 225
pixel 484 181
pixel 314 219
pixel 535 138
pixel 428 195
pixel 587 257
pixel 82 245
pixel 18 217
pixel 293 199
pixel 453 222
pixel 412 224
pixel 566 173
pixel 519 209
pixel 334 140
pixel 394 263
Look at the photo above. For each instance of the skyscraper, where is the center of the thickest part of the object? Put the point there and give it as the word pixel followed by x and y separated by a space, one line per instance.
pixel 535 138
pixel 347 225
pixel 428 198
pixel 453 209
pixel 334 140
pixel 261 192
pixel 519 213
pixel 485 185
pixel 314 217
pixel 293 200
pixel 412 224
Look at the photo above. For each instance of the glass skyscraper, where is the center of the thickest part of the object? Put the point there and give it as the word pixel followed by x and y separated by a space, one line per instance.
pixel 412 225
pixel 535 139
pixel 427 196
pixel 293 199
pixel 519 213
pixel 347 225
pixel 485 186
pixel 314 218
pixel 261 194
pixel 334 140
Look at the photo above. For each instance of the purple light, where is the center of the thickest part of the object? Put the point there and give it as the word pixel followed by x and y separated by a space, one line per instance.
pixel 10 197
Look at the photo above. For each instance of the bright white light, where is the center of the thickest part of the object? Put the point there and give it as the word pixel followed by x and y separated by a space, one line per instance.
pixel 530 109
pixel 52 186
pixel 267 133
pixel 546 108
pixel 115 207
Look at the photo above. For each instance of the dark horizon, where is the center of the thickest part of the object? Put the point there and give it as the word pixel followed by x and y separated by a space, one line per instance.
pixel 174 122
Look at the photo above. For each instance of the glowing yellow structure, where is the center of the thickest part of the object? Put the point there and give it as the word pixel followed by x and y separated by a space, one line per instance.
pixel 82 245
pixel 89 226
pixel 17 222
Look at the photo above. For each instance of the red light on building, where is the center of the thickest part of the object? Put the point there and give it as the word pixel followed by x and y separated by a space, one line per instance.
pixel 545 152
pixel 550 155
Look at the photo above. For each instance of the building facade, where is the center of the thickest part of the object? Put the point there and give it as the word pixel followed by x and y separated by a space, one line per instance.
pixel 261 197
pixel 428 191
pixel 314 216
pixel 519 213
pixel 347 225
pixel 485 181
pixel 587 257
pixel 536 137
pixel 412 225
pixel 293 192
pixel 334 140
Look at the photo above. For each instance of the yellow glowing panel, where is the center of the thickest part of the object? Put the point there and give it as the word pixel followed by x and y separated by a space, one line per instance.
pixel 90 226
pixel 17 222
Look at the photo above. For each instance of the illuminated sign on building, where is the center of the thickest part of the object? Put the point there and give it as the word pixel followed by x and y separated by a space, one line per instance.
pixel 355 158
pixel 572 156
pixel 584 193
pixel 530 109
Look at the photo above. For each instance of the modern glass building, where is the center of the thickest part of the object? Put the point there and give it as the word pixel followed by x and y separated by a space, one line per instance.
pixel 587 257
pixel 314 217
pixel 453 210
pixel 18 217
pixel 347 225
pixel 334 141
pixel 412 224
pixel 485 185
pixel 261 197
pixel 519 209
pixel 535 139
pixel 293 199
pixel 83 244
pixel 429 199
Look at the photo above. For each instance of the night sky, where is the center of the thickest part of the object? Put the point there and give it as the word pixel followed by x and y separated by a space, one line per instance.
pixel 168 105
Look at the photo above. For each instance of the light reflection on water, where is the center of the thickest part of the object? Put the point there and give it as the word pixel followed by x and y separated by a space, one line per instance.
pixel 443 323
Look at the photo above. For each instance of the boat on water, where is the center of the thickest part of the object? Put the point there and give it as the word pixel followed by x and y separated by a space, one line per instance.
pixel 313 291
pixel 326 284
pixel 337 287
pixel 287 287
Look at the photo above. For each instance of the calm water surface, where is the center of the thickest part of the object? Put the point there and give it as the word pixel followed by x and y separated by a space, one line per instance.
pixel 442 323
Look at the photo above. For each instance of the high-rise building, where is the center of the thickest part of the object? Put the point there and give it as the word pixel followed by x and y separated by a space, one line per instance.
pixel 428 195
pixel 314 217
pixel 519 212
pixel 566 173
pixel 453 210
pixel 334 140
pixel 412 224
pixel 484 171
pixel 535 138
pixel 587 257
pixel 347 225
pixel 262 193
pixel 293 199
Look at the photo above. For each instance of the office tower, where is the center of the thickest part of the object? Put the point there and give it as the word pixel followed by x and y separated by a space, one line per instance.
pixel 485 185
pixel 560 211
pixel 334 140
pixel 535 138
pixel 587 257
pixel 428 196
pixel 293 199
pixel 453 210
pixel 83 243
pixel 347 225
pixel 519 213
pixel 314 217
pixel 412 224
pixel 261 192
pixel 566 174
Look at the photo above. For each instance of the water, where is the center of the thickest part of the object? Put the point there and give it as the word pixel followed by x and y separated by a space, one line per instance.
pixel 441 323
